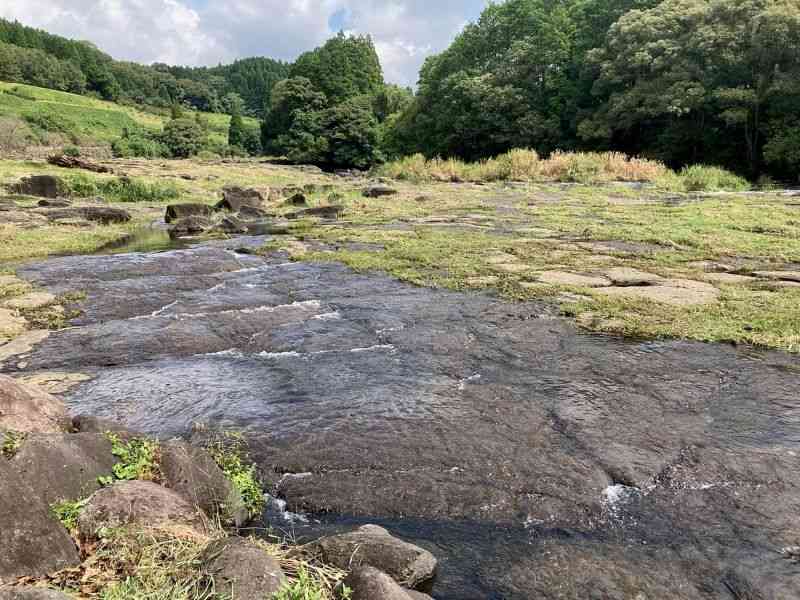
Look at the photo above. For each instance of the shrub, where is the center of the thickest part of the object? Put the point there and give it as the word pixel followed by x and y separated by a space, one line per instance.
pixel 183 137
pixel 68 512
pixel 208 155
pixel 229 452
pixel 73 151
pixel 702 178
pixel 137 459
pixel 139 146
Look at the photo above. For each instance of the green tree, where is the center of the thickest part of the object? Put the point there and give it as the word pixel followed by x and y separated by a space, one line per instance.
pixel 290 98
pixel 183 137
pixel 236 132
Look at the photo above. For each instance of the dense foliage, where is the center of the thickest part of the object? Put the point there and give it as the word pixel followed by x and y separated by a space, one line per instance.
pixel 38 58
pixel 681 80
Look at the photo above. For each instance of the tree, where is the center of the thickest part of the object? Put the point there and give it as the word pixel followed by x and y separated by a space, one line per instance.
pixel 344 67
pixel 183 137
pixel 290 97
pixel 236 132
pixel 695 74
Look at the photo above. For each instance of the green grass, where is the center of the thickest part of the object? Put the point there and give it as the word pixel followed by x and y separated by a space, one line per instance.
pixel 229 452
pixel 12 442
pixel 68 512
pixel 120 189
pixel 137 459
pixel 87 120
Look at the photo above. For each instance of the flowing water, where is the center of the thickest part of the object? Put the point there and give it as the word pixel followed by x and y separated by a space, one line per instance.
pixel 533 460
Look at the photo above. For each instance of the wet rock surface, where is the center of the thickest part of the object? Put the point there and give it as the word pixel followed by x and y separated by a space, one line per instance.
pixel 514 448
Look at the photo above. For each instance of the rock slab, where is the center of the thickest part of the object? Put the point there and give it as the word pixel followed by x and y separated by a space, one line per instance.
pixel 242 569
pixel 27 409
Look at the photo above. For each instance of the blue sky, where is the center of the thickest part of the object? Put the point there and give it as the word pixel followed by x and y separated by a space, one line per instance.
pixel 207 32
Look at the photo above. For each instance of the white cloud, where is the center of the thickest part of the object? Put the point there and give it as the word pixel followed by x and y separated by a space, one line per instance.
pixel 172 31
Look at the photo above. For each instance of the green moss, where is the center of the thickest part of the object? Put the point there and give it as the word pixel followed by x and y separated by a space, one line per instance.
pixel 12 441
pixel 68 512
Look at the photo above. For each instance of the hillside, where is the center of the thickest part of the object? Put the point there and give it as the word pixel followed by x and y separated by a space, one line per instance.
pixel 33 116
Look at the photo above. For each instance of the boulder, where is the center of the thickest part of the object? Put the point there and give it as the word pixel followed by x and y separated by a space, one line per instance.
pixel 139 503
pixel 90 424
pixel 298 199
pixel 63 466
pixel 43 186
pixel 625 276
pixel 33 542
pixel 189 226
pixel 190 209
pixel 230 224
pixel 370 545
pixel 241 570
pixel 234 198
pixel 325 212
pixel 73 162
pixel 253 213
pixel 779 275
pixel 31 593
pixel 368 583
pixel 31 301
pixel 29 409
pixel 96 214
pixel 54 203
pixel 378 191
pixel 191 472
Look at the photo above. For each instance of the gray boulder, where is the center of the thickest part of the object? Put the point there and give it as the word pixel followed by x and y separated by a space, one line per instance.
pixel 191 209
pixel 378 191
pixel 137 503
pixel 242 570
pixel 96 214
pixel 32 542
pixel 54 203
pixel 253 213
pixel 189 226
pixel 368 583
pixel 26 408
pixel 90 424
pixel 63 466
pixel 370 545
pixel 234 198
pixel 325 212
pixel 230 224
pixel 31 593
pixel 298 199
pixel 43 186
pixel 191 472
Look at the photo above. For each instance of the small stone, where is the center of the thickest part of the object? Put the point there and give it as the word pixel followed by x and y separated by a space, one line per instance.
pixel 368 583
pixel 625 276
pixel 378 191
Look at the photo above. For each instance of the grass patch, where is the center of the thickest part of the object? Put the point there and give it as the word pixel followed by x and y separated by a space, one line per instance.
pixel 138 458
pixel 229 451
pixel 12 442
pixel 120 189
pixel 307 587
pixel 68 512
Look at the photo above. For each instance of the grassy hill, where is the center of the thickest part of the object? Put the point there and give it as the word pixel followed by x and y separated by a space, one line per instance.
pixel 37 116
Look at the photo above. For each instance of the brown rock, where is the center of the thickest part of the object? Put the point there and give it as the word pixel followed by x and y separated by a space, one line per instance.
pixel 675 292
pixel 378 191
pixel 73 162
pixel 573 279
pixel 189 226
pixel 371 545
pixel 90 424
pixel 96 214
pixel 779 275
pixel 139 503
pixel 44 186
pixel 175 212
pixel 31 593
pixel 54 203
pixel 33 542
pixel 234 198
pixel 63 466
pixel 11 323
pixel 30 301
pixel 368 583
pixel 230 224
pixel 625 276
pixel 325 212
pixel 242 569
pixel 190 471
pixel 28 409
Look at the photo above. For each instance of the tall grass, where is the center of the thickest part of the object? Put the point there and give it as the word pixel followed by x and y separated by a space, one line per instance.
pixel 566 167
pixel 120 189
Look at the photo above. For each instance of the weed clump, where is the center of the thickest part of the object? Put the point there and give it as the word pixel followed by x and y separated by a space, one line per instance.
pixel 120 189
pixel 137 459
pixel 68 512
pixel 229 452
pixel 12 442
pixel 702 178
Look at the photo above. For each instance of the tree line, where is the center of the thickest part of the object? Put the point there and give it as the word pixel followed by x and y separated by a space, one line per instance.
pixel 681 81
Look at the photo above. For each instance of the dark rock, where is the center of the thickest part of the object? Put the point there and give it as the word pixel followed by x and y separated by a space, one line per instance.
pixel 423 198
pixel 63 466
pixel 31 593
pixel 234 198
pixel 326 212
pixel 242 569
pixel 192 473
pixel 246 250
pixel 230 224
pixel 298 199
pixel 194 209
pixel 73 162
pixel 95 214
pixel 371 545
pixel 43 186
pixel 141 503
pixel 33 542
pixel 378 191
pixel 189 226
pixel 253 213
pixel 26 408
pixel 90 424
pixel 54 203
pixel 368 583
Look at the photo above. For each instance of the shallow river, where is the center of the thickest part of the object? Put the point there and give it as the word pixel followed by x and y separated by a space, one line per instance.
pixel 533 460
